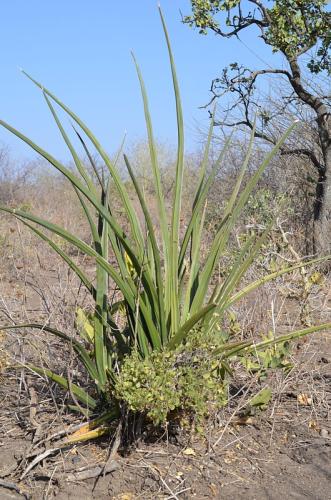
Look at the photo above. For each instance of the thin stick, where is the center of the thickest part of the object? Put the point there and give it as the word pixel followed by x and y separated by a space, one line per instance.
pixel 13 486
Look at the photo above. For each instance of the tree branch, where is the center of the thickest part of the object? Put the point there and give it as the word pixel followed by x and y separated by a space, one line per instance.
pixel 307 97
pixel 241 26
pixel 249 124
pixel 263 10
pixel 284 151
pixel 270 71
pixel 305 152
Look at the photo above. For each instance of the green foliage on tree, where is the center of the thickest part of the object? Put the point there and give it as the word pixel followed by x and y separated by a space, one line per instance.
pixel 290 26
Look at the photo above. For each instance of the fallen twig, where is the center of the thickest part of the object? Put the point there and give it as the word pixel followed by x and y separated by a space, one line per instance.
pixel 15 487
pixel 94 471
pixel 38 459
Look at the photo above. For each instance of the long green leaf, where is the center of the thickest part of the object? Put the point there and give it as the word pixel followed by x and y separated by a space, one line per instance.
pixel 79 393
pixel 215 251
pixel 155 166
pixel 240 267
pixel 123 284
pixel 222 290
pixel 78 271
pixel 91 160
pixel 231 350
pixel 270 277
pixel 78 348
pixel 223 234
pixel 204 162
pixel 65 257
pixel 189 325
pixel 197 229
pixel 240 178
pixel 200 202
pixel 174 243
pixel 129 248
pixel 101 312
pixel 254 179
pixel 192 284
pixel 134 222
pixel 80 167
pixel 155 251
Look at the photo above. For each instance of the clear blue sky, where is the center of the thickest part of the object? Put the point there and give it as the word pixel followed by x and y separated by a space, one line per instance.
pixel 81 51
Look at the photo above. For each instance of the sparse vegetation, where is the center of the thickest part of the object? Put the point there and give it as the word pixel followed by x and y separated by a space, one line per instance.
pixel 167 352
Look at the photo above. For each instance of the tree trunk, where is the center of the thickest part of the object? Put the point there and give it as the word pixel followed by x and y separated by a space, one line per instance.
pixel 322 216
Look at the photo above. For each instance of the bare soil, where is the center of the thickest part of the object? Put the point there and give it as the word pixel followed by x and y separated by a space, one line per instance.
pixel 284 452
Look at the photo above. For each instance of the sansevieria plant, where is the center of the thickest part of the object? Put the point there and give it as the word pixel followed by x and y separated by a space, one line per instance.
pixel 166 287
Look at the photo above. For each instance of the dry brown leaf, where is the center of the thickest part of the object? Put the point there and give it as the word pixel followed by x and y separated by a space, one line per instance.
pixel 124 496
pixel 189 452
pixel 304 400
pixel 244 421
pixel 230 457
pixel 312 424
pixel 214 489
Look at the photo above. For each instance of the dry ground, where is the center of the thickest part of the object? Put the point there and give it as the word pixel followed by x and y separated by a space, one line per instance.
pixel 283 452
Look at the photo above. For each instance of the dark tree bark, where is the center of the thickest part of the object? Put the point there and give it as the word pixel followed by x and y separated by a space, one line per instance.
pixel 322 215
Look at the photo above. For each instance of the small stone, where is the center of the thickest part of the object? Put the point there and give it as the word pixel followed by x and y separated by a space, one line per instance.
pixel 324 433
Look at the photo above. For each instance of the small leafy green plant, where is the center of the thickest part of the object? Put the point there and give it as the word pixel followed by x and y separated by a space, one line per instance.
pixel 275 356
pixel 193 382
pixel 148 362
